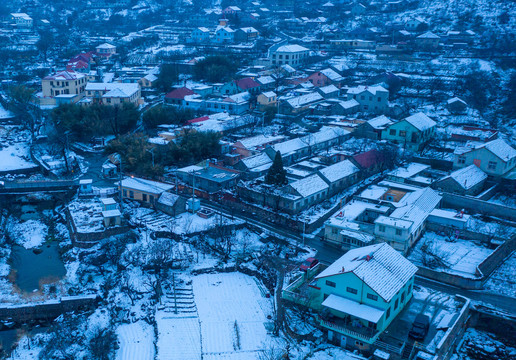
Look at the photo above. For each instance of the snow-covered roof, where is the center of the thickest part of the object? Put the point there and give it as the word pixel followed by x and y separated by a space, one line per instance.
pixel 468 176
pixel 428 35
pixel 264 80
pixel 379 266
pixel 409 170
pixel 291 48
pixel 303 100
pixel 255 161
pixel 168 199
pixel 144 185
pixel 111 213
pixel 380 122
pixel 329 89
pixel 309 186
pixel 339 171
pixel 361 88
pixel 269 94
pixel 203 29
pixel 326 133
pixel 259 140
pixel 128 89
pixel 65 75
pixel 331 74
pixel 106 46
pixel 500 148
pixel 354 308
pixel 420 121
pixel 454 100
pixel 348 104
pixel 249 30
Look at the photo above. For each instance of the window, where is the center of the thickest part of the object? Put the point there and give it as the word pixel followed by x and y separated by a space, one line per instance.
pixel 388 313
pixel 396 304
pixel 372 297
pixel 392 132
pixel 402 297
pixel 151 199
pixel 492 165
pixel 351 290
pixel 403 133
pixel 144 197
pixel 362 97
pixel 379 99
pixel 125 192
pixel 325 296
pixel 131 194
pixel 359 343
pixel 398 232
pixel 330 283
pixel 334 231
pixel 461 160
pixel 381 228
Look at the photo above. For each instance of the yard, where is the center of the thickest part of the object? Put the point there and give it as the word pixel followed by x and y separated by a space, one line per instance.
pixel 460 257
pixel 502 279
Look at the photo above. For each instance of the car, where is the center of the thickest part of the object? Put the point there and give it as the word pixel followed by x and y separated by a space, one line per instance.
pixel 420 327
pixel 308 264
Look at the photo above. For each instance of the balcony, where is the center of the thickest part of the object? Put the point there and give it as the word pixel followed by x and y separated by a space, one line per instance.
pixel 349 327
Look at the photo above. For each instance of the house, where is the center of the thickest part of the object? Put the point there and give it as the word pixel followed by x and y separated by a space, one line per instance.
pixel 255 145
pixel 171 204
pixel 471 133
pixel 266 82
pixel 293 55
pixel 246 34
pixel 371 98
pixel 224 35
pixel 254 166
pixel 176 96
pixel 456 105
pixel 361 293
pixel 466 181
pixel 495 158
pixel 298 104
pixel 110 212
pixel 339 176
pixel 266 99
pixel 106 50
pixel 428 41
pixel 346 107
pixel 64 83
pixel 231 10
pixel 416 24
pixel 113 93
pixel 329 91
pixel 148 81
pixel 22 20
pixel 239 86
pixel 372 129
pixel 353 44
pixel 209 178
pixel 413 132
pixel 294 149
pixel 326 77
pixel 200 35
pixel 308 191
pixel 142 190
pixel 405 225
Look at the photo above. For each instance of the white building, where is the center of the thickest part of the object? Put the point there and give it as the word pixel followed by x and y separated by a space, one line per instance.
pixel 293 55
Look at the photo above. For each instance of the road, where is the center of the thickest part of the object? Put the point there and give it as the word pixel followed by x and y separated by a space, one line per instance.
pixel 327 254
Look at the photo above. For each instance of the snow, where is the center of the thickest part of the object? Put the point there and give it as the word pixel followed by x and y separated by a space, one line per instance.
pixel 179 337
pixel 15 156
pixel 461 257
pixel 468 176
pixel 136 341
pixel 29 234
pixel 354 308
pixel 147 186
pixel 502 279
pixel 420 121
pixel 222 300
pixel 339 171
pixel 5 114
pixel 309 186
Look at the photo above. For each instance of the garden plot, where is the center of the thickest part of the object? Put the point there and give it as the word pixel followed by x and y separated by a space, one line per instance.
pixel 179 337
pixel 460 258
pixel 185 223
pixel 233 315
pixel 502 279
pixel 136 341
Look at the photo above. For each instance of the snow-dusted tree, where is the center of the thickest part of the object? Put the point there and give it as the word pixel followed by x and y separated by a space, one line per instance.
pixel 277 175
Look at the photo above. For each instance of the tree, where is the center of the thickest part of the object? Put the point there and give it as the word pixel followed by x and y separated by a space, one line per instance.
pixel 215 69
pixel 102 344
pixel 168 75
pixel 509 105
pixel 277 175
pixel 21 104
pixel 160 115
pixel 46 40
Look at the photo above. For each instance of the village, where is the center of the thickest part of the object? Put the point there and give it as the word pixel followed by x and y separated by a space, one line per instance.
pixel 268 179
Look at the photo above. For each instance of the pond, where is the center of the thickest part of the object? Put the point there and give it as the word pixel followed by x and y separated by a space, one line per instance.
pixel 34 268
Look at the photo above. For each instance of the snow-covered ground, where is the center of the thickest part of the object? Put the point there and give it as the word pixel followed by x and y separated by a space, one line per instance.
pixel 461 257
pixel 29 234
pixel 14 149
pixel 136 341
pixel 502 279
pixel 482 345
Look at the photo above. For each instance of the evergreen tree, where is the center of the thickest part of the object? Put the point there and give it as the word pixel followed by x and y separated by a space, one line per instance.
pixel 276 175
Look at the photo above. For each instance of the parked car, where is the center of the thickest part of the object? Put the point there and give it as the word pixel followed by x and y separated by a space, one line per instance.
pixel 420 327
pixel 308 264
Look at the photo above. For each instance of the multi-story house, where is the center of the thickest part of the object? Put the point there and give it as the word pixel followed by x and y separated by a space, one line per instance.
pixel 413 132
pixel 114 93
pixel 293 55
pixel 64 84
pixel 373 99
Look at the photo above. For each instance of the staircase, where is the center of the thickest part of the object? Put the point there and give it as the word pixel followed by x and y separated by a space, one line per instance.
pixel 178 299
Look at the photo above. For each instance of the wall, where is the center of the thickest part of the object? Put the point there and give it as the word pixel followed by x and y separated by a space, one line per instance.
pixel 473 205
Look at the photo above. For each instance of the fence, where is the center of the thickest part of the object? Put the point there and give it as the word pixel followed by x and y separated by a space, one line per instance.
pixel 478 206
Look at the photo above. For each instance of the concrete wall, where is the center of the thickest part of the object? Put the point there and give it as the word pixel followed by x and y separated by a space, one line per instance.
pixel 473 205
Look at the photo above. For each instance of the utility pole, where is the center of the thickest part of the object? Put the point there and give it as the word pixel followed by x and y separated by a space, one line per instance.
pixel 120 186
pixel 152 153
